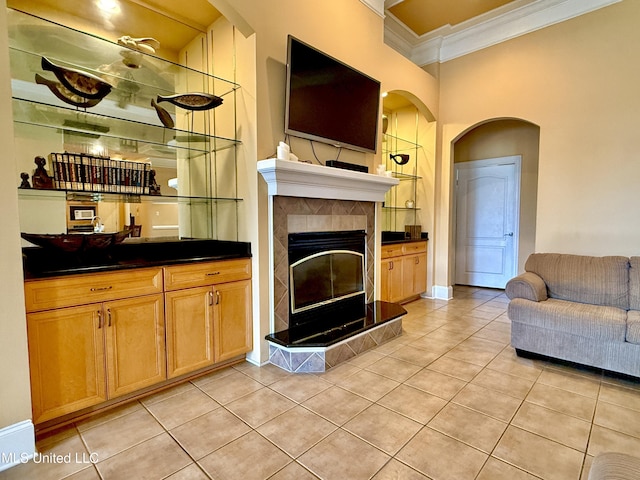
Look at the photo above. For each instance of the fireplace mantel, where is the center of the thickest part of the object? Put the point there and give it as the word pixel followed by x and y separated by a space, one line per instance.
pixel 298 179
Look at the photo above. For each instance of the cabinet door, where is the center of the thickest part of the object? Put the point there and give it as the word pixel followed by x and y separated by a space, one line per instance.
pixel 391 280
pixel 414 275
pixel 189 315
pixel 233 332
pixel 135 351
pixel 66 354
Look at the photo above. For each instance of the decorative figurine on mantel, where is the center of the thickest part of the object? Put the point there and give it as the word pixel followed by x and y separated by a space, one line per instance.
pixel 24 176
pixel 154 188
pixel 40 177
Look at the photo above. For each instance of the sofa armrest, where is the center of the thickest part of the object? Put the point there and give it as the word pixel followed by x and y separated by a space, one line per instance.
pixel 528 286
pixel 614 466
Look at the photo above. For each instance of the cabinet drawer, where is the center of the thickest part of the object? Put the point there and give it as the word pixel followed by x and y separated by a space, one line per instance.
pixel 414 247
pixel 96 287
pixel 208 273
pixel 394 250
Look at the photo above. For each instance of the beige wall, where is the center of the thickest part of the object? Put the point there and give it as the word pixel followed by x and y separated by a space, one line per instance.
pixel 15 396
pixel 578 81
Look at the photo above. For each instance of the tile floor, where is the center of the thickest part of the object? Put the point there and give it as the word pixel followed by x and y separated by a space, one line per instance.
pixel 448 399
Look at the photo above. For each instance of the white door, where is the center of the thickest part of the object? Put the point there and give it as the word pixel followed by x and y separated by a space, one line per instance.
pixel 487 206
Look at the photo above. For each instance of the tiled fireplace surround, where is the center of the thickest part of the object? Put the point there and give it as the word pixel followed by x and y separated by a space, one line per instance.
pixel 297 215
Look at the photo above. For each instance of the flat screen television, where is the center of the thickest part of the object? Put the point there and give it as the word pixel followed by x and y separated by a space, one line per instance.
pixel 329 101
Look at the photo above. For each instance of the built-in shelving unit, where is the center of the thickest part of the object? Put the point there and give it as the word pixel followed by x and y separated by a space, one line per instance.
pixel 397 212
pixel 125 125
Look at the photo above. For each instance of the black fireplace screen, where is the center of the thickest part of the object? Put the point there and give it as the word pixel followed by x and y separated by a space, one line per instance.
pixel 325 277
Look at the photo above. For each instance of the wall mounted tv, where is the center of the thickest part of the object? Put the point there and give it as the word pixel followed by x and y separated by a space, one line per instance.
pixel 328 101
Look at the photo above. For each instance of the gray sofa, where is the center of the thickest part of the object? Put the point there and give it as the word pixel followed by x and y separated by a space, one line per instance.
pixel 578 308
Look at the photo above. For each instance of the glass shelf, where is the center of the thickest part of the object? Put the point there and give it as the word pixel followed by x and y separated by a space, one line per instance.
pixel 120 136
pixel 79 196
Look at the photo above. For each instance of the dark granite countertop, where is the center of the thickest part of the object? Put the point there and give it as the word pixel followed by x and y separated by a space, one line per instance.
pixel 132 253
pixel 389 238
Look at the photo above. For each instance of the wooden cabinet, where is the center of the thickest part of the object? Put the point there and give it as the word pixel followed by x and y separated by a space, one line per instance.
pixel 208 317
pixel 85 354
pixel 404 271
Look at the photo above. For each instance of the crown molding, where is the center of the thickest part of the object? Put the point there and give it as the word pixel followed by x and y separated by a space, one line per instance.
pixel 448 43
pixel 376 5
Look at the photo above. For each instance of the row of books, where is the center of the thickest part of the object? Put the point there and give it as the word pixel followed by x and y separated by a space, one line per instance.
pixel 88 173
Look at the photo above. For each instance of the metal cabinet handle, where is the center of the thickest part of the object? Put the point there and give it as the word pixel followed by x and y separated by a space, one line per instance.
pixel 99 318
pixel 210 297
pixel 217 297
pixel 417 260
pixel 391 265
pixel 99 289
pixel 212 274
pixel 109 315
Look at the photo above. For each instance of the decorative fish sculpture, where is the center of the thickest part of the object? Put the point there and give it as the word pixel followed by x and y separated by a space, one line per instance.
pixel 81 83
pixel 192 101
pixel 66 95
pixel 163 115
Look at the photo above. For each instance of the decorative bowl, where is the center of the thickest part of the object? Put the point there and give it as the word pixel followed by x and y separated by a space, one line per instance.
pixel 75 242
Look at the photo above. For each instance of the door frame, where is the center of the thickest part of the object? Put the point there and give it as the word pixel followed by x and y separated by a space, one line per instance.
pixel 489 162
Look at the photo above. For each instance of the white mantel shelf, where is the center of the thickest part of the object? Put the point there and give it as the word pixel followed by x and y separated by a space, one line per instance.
pixel 299 179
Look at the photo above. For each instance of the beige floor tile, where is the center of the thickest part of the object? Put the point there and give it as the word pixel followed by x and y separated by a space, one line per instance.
pixel 209 377
pixel 191 472
pixel 238 460
pixel 393 368
pixel 383 428
pixel 368 385
pixel 562 401
pixel 300 387
pixel 474 355
pixel 625 397
pixel 48 465
pixel 181 408
pixel 109 415
pixel 266 374
pixel 294 471
pixel 539 456
pixel 497 336
pixel 337 405
pixel 209 432
pixel 615 417
pixel 340 372
pixel 296 430
pixel 573 383
pixel 490 402
pixel 495 469
pixel 415 355
pixel 502 382
pixel 170 392
pixel 436 383
pixel 395 470
pixel 586 467
pixel 230 387
pixel 121 433
pixel 440 457
pixel 513 365
pixel 343 456
pixel 413 403
pixel 365 359
pixel 251 408
pixel 471 427
pixel 455 368
pixel 434 345
pixel 606 440
pixel 570 431
pixel 158 457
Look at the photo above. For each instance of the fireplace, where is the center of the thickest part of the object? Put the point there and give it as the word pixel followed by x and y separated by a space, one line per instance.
pixel 326 278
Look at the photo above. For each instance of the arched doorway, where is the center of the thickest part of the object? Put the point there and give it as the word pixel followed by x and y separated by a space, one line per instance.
pixel 498 139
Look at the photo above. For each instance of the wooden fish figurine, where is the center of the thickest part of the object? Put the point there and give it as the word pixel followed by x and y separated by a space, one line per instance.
pixel 163 115
pixel 192 101
pixel 66 95
pixel 81 83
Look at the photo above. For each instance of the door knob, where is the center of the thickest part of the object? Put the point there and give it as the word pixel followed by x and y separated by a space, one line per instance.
pixel 510 234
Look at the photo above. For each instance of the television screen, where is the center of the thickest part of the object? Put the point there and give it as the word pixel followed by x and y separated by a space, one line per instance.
pixel 329 101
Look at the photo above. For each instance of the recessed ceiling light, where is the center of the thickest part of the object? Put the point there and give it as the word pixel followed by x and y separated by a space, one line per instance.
pixel 108 5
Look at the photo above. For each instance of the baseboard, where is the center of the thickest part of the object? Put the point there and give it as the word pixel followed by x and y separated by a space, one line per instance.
pixel 17 444
pixel 441 292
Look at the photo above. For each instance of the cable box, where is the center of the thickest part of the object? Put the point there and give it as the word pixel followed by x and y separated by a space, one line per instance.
pixel 347 166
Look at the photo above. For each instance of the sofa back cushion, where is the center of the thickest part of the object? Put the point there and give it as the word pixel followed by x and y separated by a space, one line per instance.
pixel 584 279
pixel 634 283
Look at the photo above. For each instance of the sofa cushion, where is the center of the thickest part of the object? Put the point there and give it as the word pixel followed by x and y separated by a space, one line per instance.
pixel 633 327
pixel 592 321
pixel 634 283
pixel 593 280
